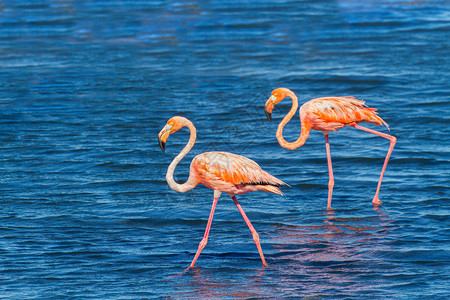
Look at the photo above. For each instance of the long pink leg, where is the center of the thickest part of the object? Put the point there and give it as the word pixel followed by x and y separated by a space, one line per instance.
pixel 204 241
pixel 393 140
pixel 330 171
pixel 252 230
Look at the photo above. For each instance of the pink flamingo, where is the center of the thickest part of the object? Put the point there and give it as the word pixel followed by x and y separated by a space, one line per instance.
pixel 328 114
pixel 220 171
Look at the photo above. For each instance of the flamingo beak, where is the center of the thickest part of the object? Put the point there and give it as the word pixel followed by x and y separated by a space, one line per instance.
pixel 162 145
pixel 268 114
pixel 163 135
pixel 269 107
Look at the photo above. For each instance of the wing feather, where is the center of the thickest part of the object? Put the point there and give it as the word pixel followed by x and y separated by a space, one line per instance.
pixel 224 167
pixel 340 111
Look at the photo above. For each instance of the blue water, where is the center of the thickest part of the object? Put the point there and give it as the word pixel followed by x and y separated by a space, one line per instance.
pixel 86 86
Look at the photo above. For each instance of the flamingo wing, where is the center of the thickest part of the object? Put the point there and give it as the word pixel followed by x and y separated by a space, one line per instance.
pixel 333 113
pixel 222 170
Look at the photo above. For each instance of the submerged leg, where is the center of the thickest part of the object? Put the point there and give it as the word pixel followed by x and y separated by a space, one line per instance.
pixel 392 139
pixel 330 171
pixel 204 241
pixel 252 230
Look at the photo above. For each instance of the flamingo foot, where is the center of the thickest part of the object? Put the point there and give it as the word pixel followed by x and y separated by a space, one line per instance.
pixel 376 201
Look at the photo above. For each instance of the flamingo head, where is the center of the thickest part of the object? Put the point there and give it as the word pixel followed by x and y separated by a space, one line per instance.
pixel 276 97
pixel 173 125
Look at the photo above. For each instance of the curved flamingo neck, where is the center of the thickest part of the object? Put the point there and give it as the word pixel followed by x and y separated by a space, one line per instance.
pixel 304 131
pixel 192 180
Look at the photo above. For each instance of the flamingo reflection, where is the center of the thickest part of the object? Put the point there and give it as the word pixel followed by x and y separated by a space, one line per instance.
pixel 333 255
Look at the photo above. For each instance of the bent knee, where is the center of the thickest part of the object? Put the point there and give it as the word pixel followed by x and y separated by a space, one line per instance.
pixel 203 243
pixel 393 140
pixel 256 237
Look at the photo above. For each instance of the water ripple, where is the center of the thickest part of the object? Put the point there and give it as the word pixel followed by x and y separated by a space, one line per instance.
pixel 85 208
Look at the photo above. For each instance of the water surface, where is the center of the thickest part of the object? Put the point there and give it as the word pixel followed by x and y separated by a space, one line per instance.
pixel 87 85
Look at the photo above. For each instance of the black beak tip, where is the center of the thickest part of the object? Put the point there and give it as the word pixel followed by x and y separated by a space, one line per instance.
pixel 162 145
pixel 268 115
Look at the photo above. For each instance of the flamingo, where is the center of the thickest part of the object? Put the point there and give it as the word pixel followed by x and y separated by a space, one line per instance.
pixel 220 171
pixel 328 114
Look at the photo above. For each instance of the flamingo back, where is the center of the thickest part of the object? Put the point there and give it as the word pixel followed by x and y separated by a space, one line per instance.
pixel 332 113
pixel 234 174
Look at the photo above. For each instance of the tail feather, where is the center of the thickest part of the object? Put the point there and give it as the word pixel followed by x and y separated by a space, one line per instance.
pixel 372 117
pixel 269 184
pixel 275 181
pixel 271 189
pixel 370 113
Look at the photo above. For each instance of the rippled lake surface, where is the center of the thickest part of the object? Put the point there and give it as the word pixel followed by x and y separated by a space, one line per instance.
pixel 87 85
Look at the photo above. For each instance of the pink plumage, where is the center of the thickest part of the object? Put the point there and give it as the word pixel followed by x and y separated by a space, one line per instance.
pixel 333 113
pixel 233 174
pixel 328 114
pixel 222 172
